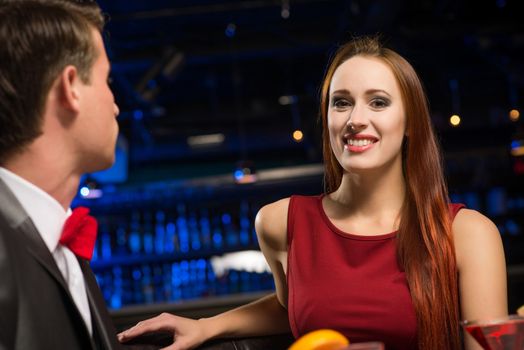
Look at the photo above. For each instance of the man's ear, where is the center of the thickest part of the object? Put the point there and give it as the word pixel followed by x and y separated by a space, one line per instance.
pixel 69 84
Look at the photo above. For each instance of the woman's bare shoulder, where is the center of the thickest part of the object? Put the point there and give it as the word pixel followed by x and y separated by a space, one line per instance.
pixel 472 225
pixel 476 237
pixel 271 224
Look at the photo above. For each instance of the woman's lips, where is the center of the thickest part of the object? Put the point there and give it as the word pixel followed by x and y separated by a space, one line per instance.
pixel 357 143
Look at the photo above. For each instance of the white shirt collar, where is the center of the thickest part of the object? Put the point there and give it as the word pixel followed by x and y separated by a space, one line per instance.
pixel 45 211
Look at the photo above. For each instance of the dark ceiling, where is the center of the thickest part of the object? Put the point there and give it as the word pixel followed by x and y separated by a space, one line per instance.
pixel 251 69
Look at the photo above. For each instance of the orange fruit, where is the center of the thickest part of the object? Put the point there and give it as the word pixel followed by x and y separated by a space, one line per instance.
pixel 322 339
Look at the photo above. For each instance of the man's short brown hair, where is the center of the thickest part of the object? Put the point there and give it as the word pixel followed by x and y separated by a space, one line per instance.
pixel 38 39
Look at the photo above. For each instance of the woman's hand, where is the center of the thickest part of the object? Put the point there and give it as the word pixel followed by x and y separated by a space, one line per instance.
pixel 187 333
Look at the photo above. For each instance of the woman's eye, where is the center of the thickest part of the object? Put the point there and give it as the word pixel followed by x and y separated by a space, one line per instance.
pixel 340 103
pixel 379 103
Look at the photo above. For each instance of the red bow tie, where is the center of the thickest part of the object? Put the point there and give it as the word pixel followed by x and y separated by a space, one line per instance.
pixel 79 233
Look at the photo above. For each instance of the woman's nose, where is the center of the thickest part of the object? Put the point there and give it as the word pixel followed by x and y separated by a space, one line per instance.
pixel 357 119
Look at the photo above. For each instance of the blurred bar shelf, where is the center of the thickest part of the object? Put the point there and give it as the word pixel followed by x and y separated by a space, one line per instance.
pixel 202 188
pixel 136 259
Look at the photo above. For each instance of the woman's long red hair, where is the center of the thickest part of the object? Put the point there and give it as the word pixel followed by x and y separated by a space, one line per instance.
pixel 425 245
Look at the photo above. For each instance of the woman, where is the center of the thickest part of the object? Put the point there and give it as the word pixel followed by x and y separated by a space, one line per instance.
pixel 382 255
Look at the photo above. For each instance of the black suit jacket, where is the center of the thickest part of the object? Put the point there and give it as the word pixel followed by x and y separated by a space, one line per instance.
pixel 36 307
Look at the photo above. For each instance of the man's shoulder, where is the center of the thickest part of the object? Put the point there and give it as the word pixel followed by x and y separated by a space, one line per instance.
pixel 7 244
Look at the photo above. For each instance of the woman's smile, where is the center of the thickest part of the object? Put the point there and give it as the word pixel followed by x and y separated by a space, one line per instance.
pixel 357 143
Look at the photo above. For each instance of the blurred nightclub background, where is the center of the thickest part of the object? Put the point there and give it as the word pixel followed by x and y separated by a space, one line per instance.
pixel 219 116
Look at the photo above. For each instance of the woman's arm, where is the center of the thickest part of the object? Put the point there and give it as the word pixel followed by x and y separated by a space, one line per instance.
pixel 265 316
pixel 481 267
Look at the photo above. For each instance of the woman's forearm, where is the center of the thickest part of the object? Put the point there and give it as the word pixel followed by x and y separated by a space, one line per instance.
pixel 265 316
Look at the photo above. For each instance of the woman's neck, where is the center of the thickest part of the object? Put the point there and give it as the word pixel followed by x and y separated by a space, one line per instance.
pixel 372 193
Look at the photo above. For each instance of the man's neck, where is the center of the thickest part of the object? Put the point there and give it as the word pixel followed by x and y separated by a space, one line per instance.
pixel 41 171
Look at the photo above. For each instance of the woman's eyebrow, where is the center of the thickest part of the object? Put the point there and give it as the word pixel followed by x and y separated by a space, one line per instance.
pixel 375 91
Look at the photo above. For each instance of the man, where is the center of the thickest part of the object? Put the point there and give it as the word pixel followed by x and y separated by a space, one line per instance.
pixel 57 121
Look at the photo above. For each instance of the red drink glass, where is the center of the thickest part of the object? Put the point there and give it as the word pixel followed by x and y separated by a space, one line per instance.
pixel 506 333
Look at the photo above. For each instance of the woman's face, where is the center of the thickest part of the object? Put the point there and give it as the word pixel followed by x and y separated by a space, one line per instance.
pixel 366 118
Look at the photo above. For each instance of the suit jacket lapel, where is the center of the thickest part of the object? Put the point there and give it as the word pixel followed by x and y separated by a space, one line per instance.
pixel 99 313
pixel 21 224
pixel 38 249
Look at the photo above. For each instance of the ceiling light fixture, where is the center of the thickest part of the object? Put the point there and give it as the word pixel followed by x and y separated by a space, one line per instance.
pixel 200 141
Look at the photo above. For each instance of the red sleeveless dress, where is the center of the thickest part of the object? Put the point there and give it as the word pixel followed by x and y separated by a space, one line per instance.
pixel 346 282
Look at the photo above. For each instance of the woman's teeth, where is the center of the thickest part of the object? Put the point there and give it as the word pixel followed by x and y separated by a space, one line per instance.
pixel 359 143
